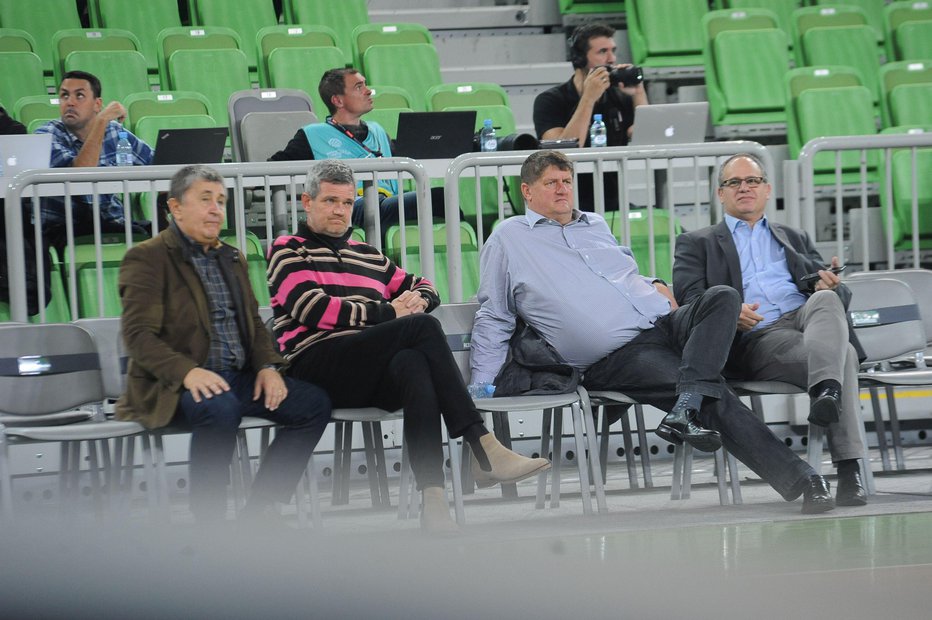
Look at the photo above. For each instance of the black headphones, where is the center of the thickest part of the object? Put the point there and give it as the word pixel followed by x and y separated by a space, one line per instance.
pixel 578 44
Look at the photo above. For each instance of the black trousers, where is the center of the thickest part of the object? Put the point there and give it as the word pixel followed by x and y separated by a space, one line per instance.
pixel 403 363
pixel 685 352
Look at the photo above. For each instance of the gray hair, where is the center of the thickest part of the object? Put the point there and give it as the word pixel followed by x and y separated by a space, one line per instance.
pixel 327 171
pixel 188 175
pixel 534 166
pixel 751 156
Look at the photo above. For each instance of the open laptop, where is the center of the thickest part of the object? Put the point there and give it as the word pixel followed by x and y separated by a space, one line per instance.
pixel 435 135
pixel 23 152
pixel 202 145
pixel 670 123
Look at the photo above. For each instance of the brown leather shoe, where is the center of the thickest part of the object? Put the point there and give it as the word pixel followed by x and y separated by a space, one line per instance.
pixel 507 466
pixel 435 513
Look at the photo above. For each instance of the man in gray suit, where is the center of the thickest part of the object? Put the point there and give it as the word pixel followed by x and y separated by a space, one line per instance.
pixel 792 328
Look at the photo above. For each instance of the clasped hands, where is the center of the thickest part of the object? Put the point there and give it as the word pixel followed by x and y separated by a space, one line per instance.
pixel 205 383
pixel 407 303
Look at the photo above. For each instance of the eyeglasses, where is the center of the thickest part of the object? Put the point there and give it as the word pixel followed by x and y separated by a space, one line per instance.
pixel 736 182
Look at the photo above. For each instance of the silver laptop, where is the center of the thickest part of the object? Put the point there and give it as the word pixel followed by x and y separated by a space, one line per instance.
pixel 23 152
pixel 670 123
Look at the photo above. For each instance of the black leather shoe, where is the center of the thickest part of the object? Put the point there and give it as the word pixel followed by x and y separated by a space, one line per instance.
pixel 825 407
pixel 817 497
pixel 850 490
pixel 680 425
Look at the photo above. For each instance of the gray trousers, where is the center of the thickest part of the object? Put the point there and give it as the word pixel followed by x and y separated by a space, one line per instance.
pixel 803 347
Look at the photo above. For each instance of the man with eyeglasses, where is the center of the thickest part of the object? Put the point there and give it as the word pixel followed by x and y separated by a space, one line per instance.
pixel 791 328
pixel 562 272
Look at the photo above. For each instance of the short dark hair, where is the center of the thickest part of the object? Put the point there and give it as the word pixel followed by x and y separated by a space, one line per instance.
pixel 83 75
pixel 333 82
pixel 327 171
pixel 186 176
pixel 579 43
pixel 534 166
pixel 754 159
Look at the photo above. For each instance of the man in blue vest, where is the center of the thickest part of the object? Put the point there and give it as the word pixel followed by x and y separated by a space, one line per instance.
pixel 344 135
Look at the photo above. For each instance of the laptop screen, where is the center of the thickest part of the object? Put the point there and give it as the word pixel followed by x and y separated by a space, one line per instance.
pixel 435 135
pixel 203 145
pixel 670 123
pixel 23 152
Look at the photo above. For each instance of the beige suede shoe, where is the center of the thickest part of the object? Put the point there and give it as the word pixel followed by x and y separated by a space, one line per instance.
pixel 507 466
pixel 435 513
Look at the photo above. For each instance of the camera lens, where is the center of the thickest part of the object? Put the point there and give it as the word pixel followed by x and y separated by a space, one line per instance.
pixel 628 76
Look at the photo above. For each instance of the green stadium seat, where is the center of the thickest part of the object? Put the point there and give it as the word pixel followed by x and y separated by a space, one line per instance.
pixel 56 309
pixel 803 78
pixel 893 74
pixel 387 118
pixel 366 35
pixel 469 249
pixel 444 96
pixel 65 42
pixel 822 17
pixel 36 110
pixel 737 95
pixel 901 191
pixel 145 20
pixel 914 40
pixel 214 73
pixel 255 263
pixel 582 7
pixel 89 298
pixel 341 16
pixel 895 15
pixel 854 46
pixel 41 19
pixel 147 128
pixel 389 97
pixel 842 111
pixel 121 72
pixel 246 17
pixel 171 40
pixel 721 20
pixel 414 67
pixel 665 34
pixel 16 40
pixel 781 9
pixel 872 9
pixel 911 104
pixel 639 239
pixel 22 77
pixel 271 38
pixel 164 103
pixel 301 68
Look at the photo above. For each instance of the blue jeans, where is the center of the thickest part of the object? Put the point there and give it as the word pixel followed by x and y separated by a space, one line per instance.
pixel 302 417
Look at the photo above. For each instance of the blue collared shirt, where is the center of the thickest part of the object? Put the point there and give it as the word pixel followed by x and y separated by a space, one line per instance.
pixel 765 276
pixel 65 148
pixel 574 284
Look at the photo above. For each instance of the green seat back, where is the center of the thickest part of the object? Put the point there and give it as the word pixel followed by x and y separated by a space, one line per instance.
pixel 145 20
pixel 639 240
pixel 389 97
pixel 387 118
pixel 121 73
pixel 914 40
pixel 342 17
pixel 214 73
pixel 170 40
pixel 854 46
pixel 901 188
pixel 822 17
pixel 256 264
pixel 22 77
pixel 748 89
pixel 36 109
pixel 366 35
pixel 147 128
pixel 781 9
pixel 271 38
pixel 665 33
pixel 411 262
pixel 414 67
pixel 468 94
pixel 16 40
pixel 751 18
pixel 41 19
pixel 911 104
pixel 842 111
pixel 65 42
pixel 872 9
pixel 246 17
pixel 895 15
pixel 164 103
pixel 576 7
pixel 803 78
pixel 893 74
pixel 301 68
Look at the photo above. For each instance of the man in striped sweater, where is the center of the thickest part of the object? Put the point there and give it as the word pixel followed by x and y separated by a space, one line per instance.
pixel 354 323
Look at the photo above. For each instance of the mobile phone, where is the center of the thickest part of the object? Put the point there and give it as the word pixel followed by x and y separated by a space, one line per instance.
pixel 812 277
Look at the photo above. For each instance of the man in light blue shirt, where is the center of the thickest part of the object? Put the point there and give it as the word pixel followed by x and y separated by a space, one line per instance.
pixel 791 328
pixel 564 274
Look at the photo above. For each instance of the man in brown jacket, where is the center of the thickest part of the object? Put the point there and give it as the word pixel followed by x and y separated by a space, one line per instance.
pixel 200 357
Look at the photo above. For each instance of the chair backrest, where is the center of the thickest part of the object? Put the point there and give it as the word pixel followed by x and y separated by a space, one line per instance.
pixel 342 17
pixel 171 40
pixel 16 40
pixel 264 133
pixel 47 368
pixel 638 229
pixel 908 183
pixel 147 128
pixel 243 102
pixel 22 77
pixel 664 34
pixel 395 33
pixel 739 18
pixel 387 118
pixel 246 17
pixel 822 16
pixel 164 103
pixel 457 320
pixel 385 96
pixel 36 109
pixel 144 19
pixel 408 255
pixel 872 9
pixel 914 40
pixel 214 73
pixel 911 104
pixel 65 42
pixel 895 15
pixel 919 281
pixel 113 357
pixel 893 74
pixel 41 19
pixel 271 38
pixel 742 92
pixel 886 318
pixel 121 72
pixel 414 67
pixel 842 111
pixel 854 46
pixel 781 9
pixel 461 94
pixel 301 68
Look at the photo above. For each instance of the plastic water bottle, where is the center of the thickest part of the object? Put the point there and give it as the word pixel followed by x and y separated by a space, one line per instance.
pixel 481 390
pixel 597 137
pixel 487 140
pixel 124 150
